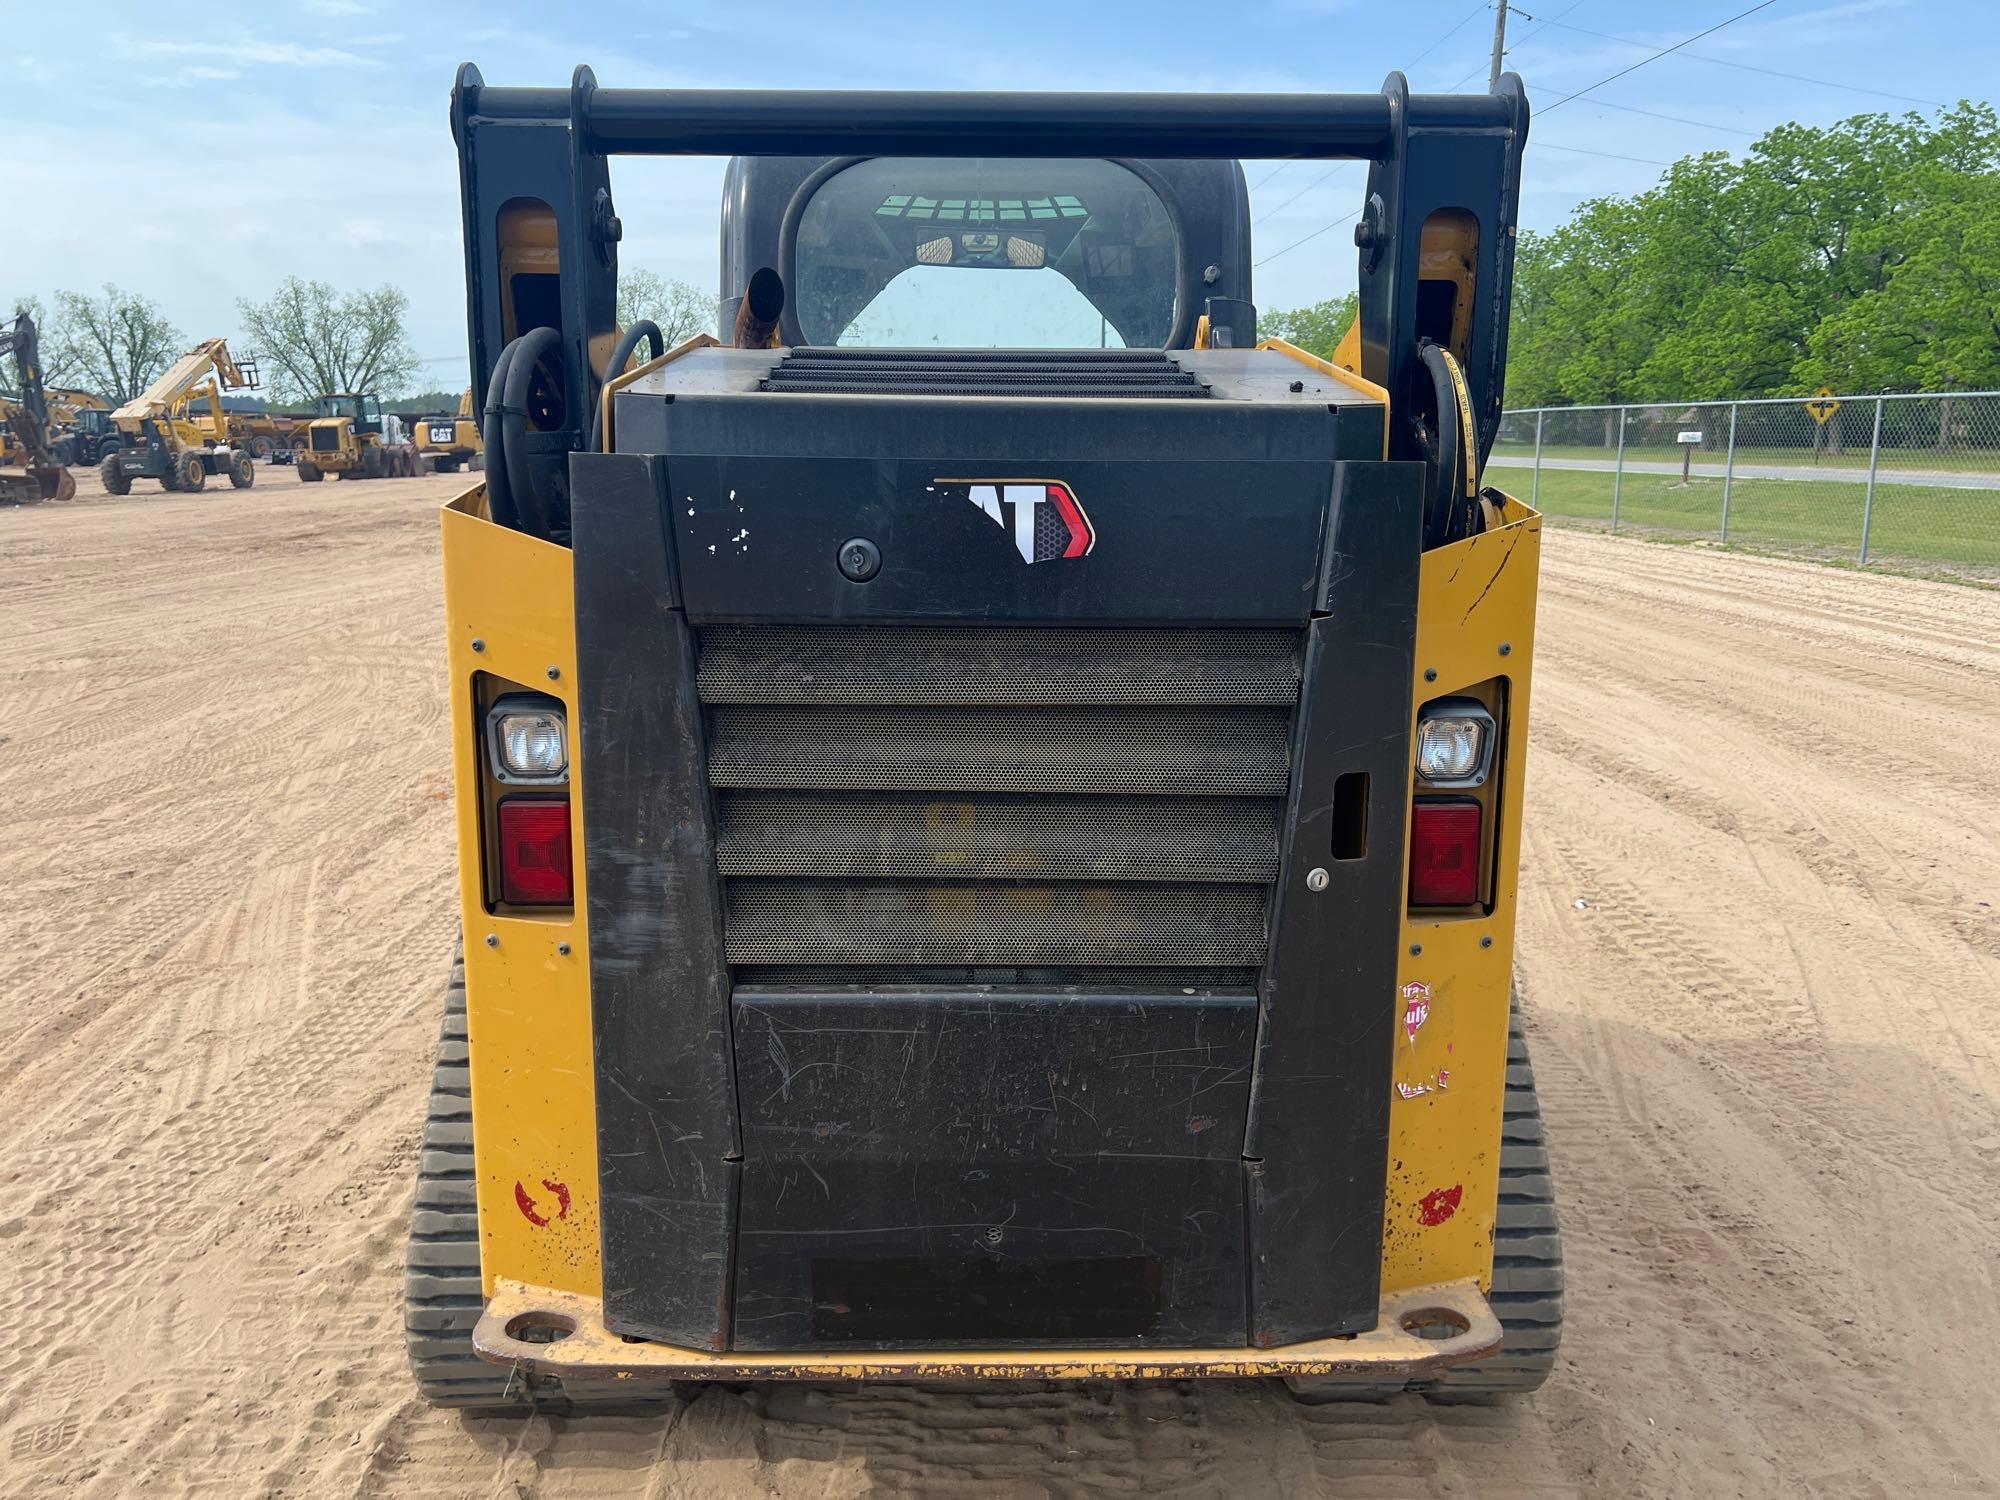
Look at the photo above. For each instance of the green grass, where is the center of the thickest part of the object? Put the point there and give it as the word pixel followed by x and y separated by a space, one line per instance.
pixel 1958 461
pixel 1912 523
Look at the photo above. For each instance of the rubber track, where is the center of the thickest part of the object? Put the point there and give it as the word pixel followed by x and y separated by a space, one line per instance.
pixel 1527 1263
pixel 442 1295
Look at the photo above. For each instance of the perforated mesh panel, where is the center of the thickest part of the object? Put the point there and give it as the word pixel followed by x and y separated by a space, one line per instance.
pixel 997 804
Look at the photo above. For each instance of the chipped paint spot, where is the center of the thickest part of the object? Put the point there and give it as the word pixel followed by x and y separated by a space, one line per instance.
pixel 531 1211
pixel 1413 1090
pixel 1444 1079
pixel 1439 1204
pixel 1199 1123
pixel 1416 1008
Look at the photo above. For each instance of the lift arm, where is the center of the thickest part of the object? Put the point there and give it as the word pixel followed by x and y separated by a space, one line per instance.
pixel 208 362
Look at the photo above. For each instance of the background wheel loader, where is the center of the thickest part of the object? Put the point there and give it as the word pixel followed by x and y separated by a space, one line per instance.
pixel 161 439
pixel 86 432
pixel 24 424
pixel 350 437
pixel 1044 901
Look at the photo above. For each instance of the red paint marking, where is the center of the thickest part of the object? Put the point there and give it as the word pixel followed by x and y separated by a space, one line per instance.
pixel 1081 535
pixel 1439 1204
pixel 531 1213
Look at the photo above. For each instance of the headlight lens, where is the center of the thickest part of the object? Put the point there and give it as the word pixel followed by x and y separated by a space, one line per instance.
pixel 1449 749
pixel 1455 742
pixel 532 744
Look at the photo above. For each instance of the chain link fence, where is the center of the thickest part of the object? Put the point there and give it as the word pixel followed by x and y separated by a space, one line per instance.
pixel 1907 481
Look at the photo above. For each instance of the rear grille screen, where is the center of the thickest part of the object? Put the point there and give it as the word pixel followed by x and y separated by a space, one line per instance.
pixel 984 372
pixel 1006 804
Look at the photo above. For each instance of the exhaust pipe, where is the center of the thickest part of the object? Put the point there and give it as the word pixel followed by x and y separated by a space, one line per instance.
pixel 757 318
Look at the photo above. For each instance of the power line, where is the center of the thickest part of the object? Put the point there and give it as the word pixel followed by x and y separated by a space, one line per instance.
pixel 1723 62
pixel 1760 5
pixel 1266 178
pixel 1677 119
pixel 1549 145
pixel 1334 224
pixel 1539 24
pixel 1298 195
pixel 1344 218
pixel 1477 9
pixel 1535 145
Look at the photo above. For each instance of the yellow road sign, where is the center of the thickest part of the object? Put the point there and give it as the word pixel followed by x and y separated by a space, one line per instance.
pixel 1823 405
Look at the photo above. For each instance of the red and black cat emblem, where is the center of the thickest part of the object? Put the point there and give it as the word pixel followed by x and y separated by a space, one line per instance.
pixel 1043 516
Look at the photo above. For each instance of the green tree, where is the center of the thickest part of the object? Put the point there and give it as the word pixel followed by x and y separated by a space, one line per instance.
pixel 115 345
pixel 313 339
pixel 681 310
pixel 1317 329
pixel 1771 273
pixel 1934 322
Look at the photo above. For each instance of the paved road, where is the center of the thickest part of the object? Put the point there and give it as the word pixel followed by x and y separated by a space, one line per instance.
pixel 1929 478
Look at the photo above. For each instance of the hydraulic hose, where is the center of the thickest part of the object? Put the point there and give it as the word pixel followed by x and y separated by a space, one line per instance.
pixel 499 494
pixel 1451 510
pixel 528 350
pixel 645 328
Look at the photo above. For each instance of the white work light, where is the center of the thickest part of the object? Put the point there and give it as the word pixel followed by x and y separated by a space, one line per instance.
pixel 529 740
pixel 1454 742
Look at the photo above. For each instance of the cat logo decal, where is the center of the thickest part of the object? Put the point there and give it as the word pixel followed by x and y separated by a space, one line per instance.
pixel 1043 516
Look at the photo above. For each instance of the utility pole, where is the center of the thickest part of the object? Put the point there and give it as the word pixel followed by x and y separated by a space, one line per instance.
pixel 1499 44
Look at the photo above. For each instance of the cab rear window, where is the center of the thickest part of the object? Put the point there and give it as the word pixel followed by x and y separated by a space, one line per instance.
pixel 966 253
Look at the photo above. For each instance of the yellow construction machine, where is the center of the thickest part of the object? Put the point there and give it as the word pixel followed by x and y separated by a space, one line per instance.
pixel 990 806
pixel 447 443
pixel 24 424
pixel 162 439
pixel 262 434
pixel 84 431
pixel 350 437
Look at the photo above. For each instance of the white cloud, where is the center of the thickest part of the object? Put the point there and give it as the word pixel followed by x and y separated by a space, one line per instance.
pixel 245 49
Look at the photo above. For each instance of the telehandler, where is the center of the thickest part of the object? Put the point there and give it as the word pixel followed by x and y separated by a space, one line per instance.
pixel 989 803
pixel 350 437
pixel 24 424
pixel 162 439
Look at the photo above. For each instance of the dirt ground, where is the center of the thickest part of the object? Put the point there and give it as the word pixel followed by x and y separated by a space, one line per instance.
pixel 1761 971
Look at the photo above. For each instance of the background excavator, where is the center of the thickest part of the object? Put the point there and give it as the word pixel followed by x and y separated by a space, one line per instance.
pixel 163 440
pixel 24 424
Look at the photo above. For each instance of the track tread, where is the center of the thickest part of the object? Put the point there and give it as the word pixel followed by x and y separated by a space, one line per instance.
pixel 442 1294
pixel 1527 1292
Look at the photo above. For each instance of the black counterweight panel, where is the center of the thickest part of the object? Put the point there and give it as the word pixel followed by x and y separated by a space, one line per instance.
pixel 1028 1167
pixel 659 991
pixel 1317 1147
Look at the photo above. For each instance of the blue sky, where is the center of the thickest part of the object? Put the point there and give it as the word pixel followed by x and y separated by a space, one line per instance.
pixel 205 160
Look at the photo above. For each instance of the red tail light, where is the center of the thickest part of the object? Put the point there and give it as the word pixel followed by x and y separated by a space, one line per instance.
pixel 534 852
pixel 1444 851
